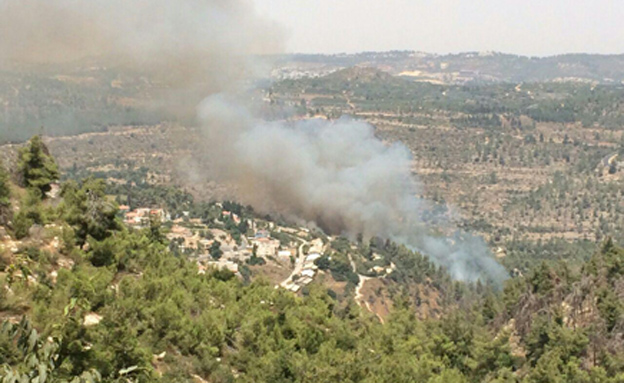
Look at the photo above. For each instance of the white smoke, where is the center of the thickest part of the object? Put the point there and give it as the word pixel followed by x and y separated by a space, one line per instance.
pixel 338 176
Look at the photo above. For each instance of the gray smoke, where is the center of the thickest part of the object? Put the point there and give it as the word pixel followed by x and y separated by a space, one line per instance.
pixel 188 48
pixel 337 176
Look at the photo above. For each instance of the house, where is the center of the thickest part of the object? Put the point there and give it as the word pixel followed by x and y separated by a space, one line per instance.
pixel 160 214
pixel 204 244
pixel 223 265
pixel 310 265
pixel 141 216
pixel 284 253
pixel 377 269
pixel 131 218
pixel 180 231
pixel 312 257
pixel 308 273
pixel 263 243
pixel 265 246
pixel 294 288
pixel 187 239
pixel 262 234
pixel 316 246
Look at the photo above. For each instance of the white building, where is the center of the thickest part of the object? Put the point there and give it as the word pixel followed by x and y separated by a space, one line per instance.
pixel 312 257
pixel 308 273
pixel 284 253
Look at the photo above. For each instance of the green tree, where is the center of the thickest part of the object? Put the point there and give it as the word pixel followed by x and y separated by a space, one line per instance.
pixel 613 167
pixel 35 359
pixel 154 232
pixel 492 178
pixel 88 210
pixel 36 166
pixel 21 225
pixel 31 212
pixel 102 253
pixel 5 197
pixel 215 250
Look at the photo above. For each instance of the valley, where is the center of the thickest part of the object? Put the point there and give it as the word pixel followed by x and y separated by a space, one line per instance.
pixel 134 235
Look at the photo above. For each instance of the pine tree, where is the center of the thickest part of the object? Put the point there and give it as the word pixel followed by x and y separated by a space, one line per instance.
pixel 36 166
pixel 88 211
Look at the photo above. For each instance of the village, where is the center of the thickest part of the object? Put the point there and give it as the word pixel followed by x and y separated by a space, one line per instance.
pixel 286 256
pixel 213 246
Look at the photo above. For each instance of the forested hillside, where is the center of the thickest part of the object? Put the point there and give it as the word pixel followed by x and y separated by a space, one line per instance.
pixel 85 298
pixel 72 100
pixel 533 167
pixel 85 96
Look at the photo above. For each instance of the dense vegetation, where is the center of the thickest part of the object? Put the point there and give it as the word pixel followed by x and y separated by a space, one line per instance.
pixel 87 299
pixel 113 304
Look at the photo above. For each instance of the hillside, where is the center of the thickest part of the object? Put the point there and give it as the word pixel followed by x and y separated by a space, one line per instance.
pixel 468 67
pixel 83 96
pixel 521 164
pixel 527 165
pixel 85 295
pixel 73 99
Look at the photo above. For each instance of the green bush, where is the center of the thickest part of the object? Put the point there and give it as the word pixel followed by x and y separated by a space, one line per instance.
pixel 21 225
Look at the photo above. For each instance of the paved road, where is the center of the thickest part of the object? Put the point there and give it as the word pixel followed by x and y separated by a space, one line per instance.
pixel 299 261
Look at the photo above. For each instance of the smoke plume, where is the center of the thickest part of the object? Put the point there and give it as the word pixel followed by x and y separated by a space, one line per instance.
pixel 340 177
pixel 188 48
pixel 335 175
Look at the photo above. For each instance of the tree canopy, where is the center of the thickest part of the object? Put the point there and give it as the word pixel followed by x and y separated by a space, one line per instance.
pixel 126 308
pixel 88 211
pixel 36 166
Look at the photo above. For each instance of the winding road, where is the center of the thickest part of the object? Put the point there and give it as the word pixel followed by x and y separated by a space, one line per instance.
pixel 299 262
pixel 359 298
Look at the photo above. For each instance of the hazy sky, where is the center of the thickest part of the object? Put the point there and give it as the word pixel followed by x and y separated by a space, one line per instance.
pixel 529 27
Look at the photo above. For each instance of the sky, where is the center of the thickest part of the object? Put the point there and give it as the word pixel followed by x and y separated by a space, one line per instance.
pixel 526 27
